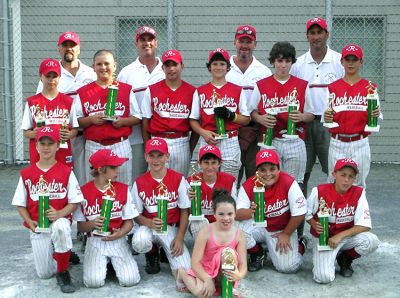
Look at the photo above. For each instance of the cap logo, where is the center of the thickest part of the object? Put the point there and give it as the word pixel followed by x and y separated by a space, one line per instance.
pixel 51 64
pixel 246 28
pixel 315 20
pixel 219 50
pixel 209 148
pixel 155 143
pixel 169 54
pixel 351 49
pixel 112 154
pixel 348 160
pixel 68 35
pixel 47 129
pixel 265 155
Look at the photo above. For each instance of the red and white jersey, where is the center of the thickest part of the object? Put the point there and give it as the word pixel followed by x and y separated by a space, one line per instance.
pixel 92 100
pixel 225 181
pixel 167 109
pixel 145 193
pixel 350 106
pixel 61 185
pixel 282 201
pixel 56 111
pixel 232 96
pixel 270 96
pixel 345 210
pixel 122 208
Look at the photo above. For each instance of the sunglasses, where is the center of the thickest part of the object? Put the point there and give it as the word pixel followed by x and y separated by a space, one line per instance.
pixel 242 31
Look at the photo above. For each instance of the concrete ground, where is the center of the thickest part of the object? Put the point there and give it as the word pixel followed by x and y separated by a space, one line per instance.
pixel 377 275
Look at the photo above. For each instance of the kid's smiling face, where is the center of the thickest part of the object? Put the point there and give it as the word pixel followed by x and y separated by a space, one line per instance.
pixel 344 179
pixel 269 173
pixel 225 214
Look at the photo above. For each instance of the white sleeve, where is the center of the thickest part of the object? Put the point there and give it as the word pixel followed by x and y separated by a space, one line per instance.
pixel 20 195
pixel 78 107
pixel 183 198
pixel 146 105
pixel 122 77
pixel 242 201
pixel 73 120
pixel 74 190
pixel 195 113
pixel 297 201
pixel 39 87
pixel 234 191
pixel 136 199
pixel 308 103
pixel 243 107
pixel 27 121
pixel 129 211
pixel 312 204
pixel 134 109
pixel 77 215
pixel 254 99
pixel 362 216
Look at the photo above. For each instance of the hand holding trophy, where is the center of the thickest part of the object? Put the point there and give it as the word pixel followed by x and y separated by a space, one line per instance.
pixel 372 101
pixel 106 207
pixel 269 131
pixel 162 208
pixel 330 111
pixel 293 105
pixel 259 190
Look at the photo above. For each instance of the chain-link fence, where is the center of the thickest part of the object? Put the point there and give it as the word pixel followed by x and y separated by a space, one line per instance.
pixel 198 27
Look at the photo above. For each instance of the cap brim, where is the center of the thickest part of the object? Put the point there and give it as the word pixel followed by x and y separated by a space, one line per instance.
pixel 239 36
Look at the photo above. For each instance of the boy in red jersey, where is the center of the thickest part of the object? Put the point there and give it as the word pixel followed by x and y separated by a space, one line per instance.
pixel 349 105
pixel 284 210
pixel 51 108
pixel 51 251
pixel 105 164
pixel 211 179
pixel 349 223
pixel 160 180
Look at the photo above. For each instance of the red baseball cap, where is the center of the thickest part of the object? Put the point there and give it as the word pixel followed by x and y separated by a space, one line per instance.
pixel 173 55
pixel 352 49
pixel 219 51
pixel 345 162
pixel 317 21
pixel 50 65
pixel 214 150
pixel 156 144
pixel 145 30
pixel 72 36
pixel 106 157
pixel 246 31
pixel 267 155
pixel 49 132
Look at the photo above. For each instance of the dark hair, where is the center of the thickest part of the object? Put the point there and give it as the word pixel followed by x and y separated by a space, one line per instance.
pixel 282 50
pixel 209 156
pixel 221 195
pixel 218 57
pixel 269 164
pixel 102 52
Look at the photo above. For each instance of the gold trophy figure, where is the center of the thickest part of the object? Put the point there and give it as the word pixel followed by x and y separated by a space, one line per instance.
pixel 323 216
pixel 259 190
pixel 228 262
pixel 219 122
pixel 269 131
pixel 44 205
pixel 330 111
pixel 64 144
pixel 162 208
pixel 293 105
pixel 106 208
pixel 40 119
pixel 195 184
pixel 372 101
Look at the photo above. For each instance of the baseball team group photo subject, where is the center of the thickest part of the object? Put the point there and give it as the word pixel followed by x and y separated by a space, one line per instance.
pixel 212 182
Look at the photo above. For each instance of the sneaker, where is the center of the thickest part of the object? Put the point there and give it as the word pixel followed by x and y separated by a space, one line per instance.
pixel 163 256
pixel 74 258
pixel 256 260
pixel 152 263
pixel 64 281
pixel 344 263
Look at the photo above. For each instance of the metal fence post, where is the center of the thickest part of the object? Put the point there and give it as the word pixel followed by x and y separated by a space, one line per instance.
pixel 170 24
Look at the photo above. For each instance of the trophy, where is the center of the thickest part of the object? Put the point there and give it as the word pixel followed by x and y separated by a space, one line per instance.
pixel 219 122
pixel 40 119
pixel 44 197
pixel 259 189
pixel 323 216
pixel 109 113
pixel 269 131
pixel 228 263
pixel 63 143
pixel 292 106
pixel 372 100
pixel 162 208
pixel 195 184
pixel 330 111
pixel 106 207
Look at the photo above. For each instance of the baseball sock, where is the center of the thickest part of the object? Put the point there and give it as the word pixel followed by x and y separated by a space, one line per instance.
pixel 255 249
pixel 351 253
pixel 62 259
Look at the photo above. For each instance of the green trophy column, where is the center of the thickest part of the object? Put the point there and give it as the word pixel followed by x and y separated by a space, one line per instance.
pixel 323 217
pixel 372 101
pixel 44 205
pixel 111 100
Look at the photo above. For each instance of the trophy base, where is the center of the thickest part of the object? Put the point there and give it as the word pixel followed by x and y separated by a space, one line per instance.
pixel 64 145
pixel 331 125
pixel 263 146
pixel 101 233
pixel 286 136
pixel 196 217
pixel 372 128
pixel 262 224
pixel 42 230
pixel 112 119
pixel 160 233
pixel 324 247
pixel 221 137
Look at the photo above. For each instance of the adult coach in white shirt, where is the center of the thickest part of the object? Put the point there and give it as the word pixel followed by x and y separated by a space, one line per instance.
pixel 74 74
pixel 320 66
pixel 144 71
pixel 245 71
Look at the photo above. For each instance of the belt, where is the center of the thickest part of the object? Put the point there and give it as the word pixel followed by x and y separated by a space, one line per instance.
pixel 317 117
pixel 232 133
pixel 348 138
pixel 170 135
pixel 80 133
pixel 110 142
